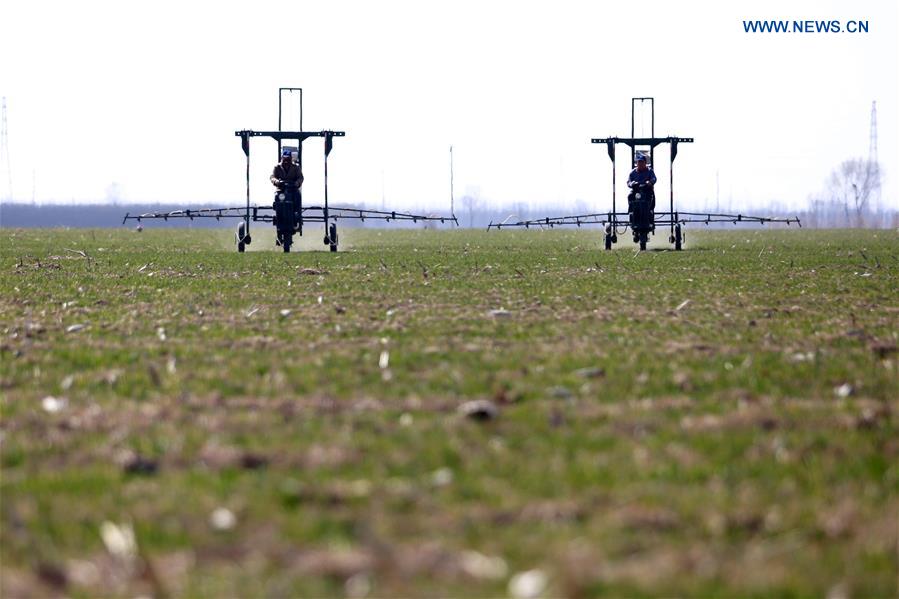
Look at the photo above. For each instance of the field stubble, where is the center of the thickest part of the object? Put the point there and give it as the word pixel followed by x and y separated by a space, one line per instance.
pixel 449 412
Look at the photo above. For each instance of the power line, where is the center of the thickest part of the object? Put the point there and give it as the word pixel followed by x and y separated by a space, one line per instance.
pixel 4 150
pixel 872 144
pixel 873 165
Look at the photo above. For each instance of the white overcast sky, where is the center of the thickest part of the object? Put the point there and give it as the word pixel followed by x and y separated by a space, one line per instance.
pixel 147 96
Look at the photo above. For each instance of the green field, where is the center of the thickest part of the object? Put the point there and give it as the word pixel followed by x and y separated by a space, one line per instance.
pixel 718 421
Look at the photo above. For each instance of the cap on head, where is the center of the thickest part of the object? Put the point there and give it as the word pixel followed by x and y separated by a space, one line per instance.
pixel 641 157
pixel 285 154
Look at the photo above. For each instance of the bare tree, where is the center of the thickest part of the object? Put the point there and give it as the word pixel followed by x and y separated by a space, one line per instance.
pixel 853 184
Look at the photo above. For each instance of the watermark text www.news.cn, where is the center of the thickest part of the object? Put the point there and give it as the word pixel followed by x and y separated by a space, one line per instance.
pixel 806 26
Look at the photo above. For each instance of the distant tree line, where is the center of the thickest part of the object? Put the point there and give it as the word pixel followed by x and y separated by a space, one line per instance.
pixel 837 207
pixel 89 215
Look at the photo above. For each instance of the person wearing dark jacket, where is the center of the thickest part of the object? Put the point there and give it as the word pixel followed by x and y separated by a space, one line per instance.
pixel 288 178
pixel 287 175
pixel 642 174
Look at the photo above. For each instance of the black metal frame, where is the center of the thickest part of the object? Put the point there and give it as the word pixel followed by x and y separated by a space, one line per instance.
pixel 661 218
pixel 618 222
pixel 302 214
pixel 261 214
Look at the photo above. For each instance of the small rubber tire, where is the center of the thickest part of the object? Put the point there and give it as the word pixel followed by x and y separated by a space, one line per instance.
pixel 241 238
pixel 332 234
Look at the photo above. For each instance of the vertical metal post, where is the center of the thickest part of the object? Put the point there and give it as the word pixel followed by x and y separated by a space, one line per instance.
pixel 300 166
pixel 652 130
pixel 247 218
pixel 671 185
pixel 326 190
pixel 633 109
pixel 280 92
pixel 613 185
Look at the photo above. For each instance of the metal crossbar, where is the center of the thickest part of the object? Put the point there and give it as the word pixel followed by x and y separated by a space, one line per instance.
pixel 621 219
pixel 310 213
